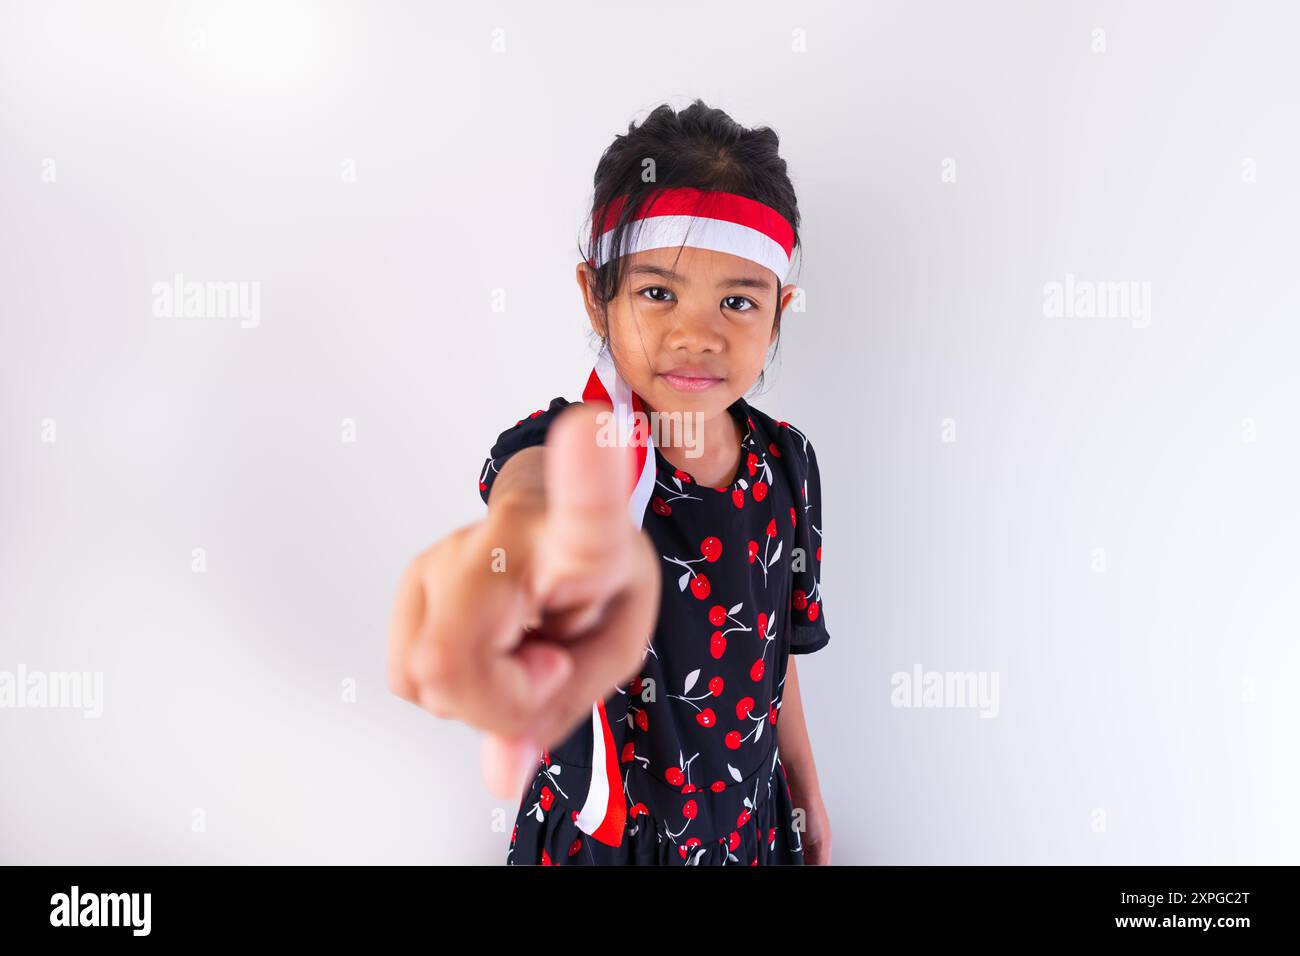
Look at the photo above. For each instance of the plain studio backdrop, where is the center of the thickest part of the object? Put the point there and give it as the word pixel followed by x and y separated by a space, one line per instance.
pixel 1087 502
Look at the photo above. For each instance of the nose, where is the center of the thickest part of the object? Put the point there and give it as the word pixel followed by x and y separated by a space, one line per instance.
pixel 695 329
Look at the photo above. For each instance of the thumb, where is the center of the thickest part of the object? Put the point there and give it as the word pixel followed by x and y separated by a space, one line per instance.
pixel 508 763
pixel 546 667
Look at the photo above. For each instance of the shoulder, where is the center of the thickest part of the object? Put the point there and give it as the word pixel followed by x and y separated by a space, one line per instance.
pixel 783 438
pixel 533 424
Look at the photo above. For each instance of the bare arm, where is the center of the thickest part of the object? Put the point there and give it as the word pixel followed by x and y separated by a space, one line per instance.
pixel 796 748
pixel 521 483
pixel 801 770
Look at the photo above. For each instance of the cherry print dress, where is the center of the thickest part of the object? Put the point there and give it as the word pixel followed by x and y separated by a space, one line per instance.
pixel 701 774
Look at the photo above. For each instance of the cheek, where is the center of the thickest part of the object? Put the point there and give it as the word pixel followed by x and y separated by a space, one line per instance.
pixel 632 334
pixel 755 343
pixel 632 341
pixel 622 334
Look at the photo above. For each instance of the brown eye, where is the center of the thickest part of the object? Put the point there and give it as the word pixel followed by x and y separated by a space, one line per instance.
pixel 749 304
pixel 657 288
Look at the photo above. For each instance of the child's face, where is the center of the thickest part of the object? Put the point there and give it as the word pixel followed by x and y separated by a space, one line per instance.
pixel 709 313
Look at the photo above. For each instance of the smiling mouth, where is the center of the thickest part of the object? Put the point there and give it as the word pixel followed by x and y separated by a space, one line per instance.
pixel 690 382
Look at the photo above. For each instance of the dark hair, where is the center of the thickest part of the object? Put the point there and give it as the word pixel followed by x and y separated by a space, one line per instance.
pixel 701 147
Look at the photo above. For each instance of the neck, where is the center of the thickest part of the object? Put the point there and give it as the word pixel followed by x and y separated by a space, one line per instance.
pixel 716 452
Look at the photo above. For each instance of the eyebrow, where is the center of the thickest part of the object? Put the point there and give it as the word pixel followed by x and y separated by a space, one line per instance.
pixel 741 281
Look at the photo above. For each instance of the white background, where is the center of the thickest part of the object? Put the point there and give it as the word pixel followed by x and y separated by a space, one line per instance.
pixel 1147 714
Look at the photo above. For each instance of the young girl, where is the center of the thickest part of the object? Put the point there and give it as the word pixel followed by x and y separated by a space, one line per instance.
pixel 693 228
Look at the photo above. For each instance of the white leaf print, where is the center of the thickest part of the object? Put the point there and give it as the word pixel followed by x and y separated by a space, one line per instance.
pixel 736 608
pixel 554 768
pixel 678 482
pixel 537 811
pixel 691 678
pixel 759 732
pixel 776 554
pixel 748 804
pixel 735 774
pixel 743 484
pixel 681 582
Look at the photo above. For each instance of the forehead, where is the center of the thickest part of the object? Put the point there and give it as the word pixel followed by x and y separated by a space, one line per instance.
pixel 703 266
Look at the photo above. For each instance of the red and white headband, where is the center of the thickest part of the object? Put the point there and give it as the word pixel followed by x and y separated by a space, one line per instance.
pixel 719 221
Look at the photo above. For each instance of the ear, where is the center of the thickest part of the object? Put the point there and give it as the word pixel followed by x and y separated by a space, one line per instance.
pixel 786 294
pixel 586 282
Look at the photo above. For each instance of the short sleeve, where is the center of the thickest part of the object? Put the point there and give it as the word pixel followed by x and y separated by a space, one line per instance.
pixel 807 614
pixel 525 433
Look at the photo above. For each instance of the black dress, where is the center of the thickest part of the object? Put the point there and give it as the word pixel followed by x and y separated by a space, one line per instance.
pixel 701 774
